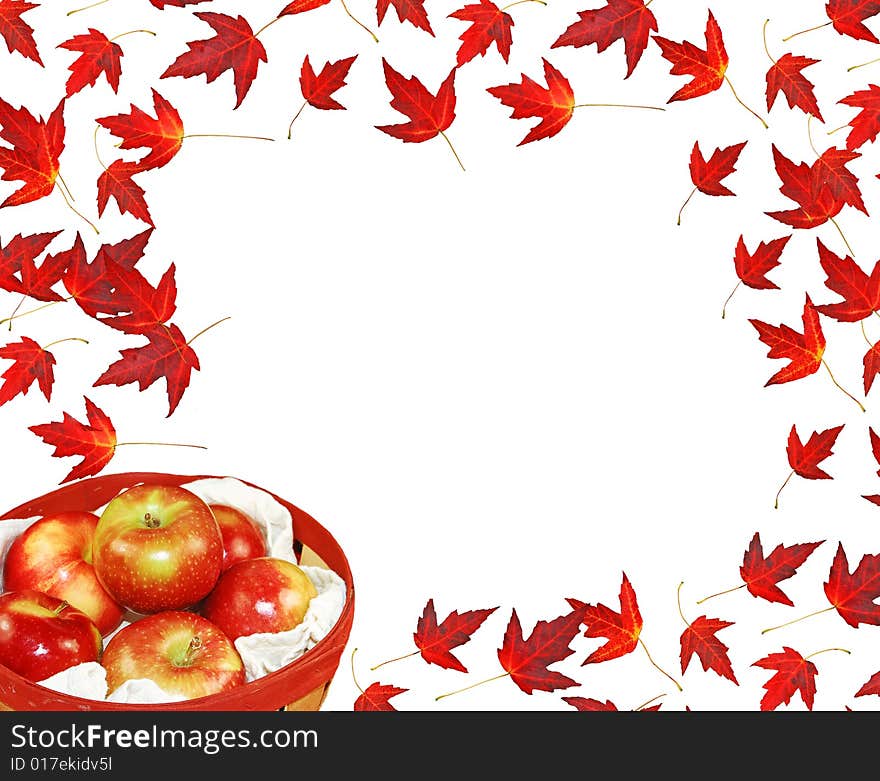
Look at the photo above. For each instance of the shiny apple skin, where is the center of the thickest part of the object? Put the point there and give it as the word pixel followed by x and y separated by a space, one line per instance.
pixel 242 538
pixel 259 595
pixel 161 648
pixel 157 548
pixel 54 555
pixel 41 635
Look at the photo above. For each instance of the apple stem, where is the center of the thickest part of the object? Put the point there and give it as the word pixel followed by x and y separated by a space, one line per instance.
pixel 617 105
pixel 724 308
pixel 472 686
pixel 686 202
pixel 34 310
pixel 446 139
pixel 797 620
pixel 396 659
pixel 746 107
pixel 68 339
pixel 720 593
pixel 226 135
pixel 808 30
pixel 845 391
pixel 192 652
pixel 766 49
pixel 649 702
pixel 657 666
pixel 295 117
pixel 132 32
pixel 776 503
pixel 359 22
pixel 861 65
pixel 86 7
pixel 520 2
pixel 205 330
pixel 826 650
pixel 61 608
pixel 76 211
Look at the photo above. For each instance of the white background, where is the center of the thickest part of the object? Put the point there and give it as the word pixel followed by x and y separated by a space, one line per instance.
pixel 499 387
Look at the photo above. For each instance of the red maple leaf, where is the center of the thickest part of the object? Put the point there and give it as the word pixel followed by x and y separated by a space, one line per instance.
pixel 590 705
pixel 860 292
pixel 872 686
pixel 162 4
pixel 871 366
pixel 32 157
pixel 489 24
pixel 18 251
pixel 793 674
pixel 31 363
pixel 761 574
pixel 804 459
pixel 785 76
pixel 804 351
pixel 166 355
pixel 621 629
pixel 436 641
pixel 163 136
pixel 95 441
pixel 707 175
pixel 117 183
pixel 318 89
pixel 630 21
pixel 699 638
pixel 527 660
pixel 98 54
pixel 145 306
pixel 875 439
pixel 412 11
pixel 707 66
pixel 853 595
pixel 866 124
pixel 429 115
pixel 38 281
pixel 830 171
pixel 376 697
pixel 301 6
pixel 234 47
pixel 847 17
pixel 554 104
pixel 17 33
pixel 752 267
pixel 816 200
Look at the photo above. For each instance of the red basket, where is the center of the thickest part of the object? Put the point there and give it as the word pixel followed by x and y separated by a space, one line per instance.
pixel 301 685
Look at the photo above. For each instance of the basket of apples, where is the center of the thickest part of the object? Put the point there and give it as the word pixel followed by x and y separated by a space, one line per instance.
pixel 154 591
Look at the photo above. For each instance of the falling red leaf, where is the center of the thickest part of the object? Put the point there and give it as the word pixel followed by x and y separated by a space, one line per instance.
pixel 804 459
pixel 167 355
pixel 871 364
pixel 38 281
pixel 301 6
pixel 489 24
pixel 752 268
pixel 785 76
pixel 630 21
pixel 527 660
pixel 145 306
pixel 816 200
pixel 95 441
pixel 32 157
pixel 376 697
pixel 412 11
pixel 429 115
pixel 234 47
pixel 17 33
pixel 830 171
pixel 866 124
pixel 706 66
pixel 163 136
pixel 318 89
pixel 707 175
pixel 31 363
pixel 436 641
pixel 554 104
pixel 853 595
pixel 699 638
pixel 589 704
pixel 621 629
pixel 860 292
pixel 804 351
pixel 872 686
pixel 21 250
pixel 875 446
pixel 847 17
pixel 116 182
pixel 793 674
pixel 761 574
pixel 98 54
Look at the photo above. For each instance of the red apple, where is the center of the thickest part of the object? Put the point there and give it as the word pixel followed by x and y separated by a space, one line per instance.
pixel 41 635
pixel 157 547
pixel 54 555
pixel 181 652
pixel 242 538
pixel 259 595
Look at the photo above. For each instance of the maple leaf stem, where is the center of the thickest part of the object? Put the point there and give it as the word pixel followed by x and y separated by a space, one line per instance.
pixel 651 660
pixel 520 2
pixel 865 333
pixel 68 339
pixel 446 139
pixel 472 686
pixel 87 7
pixel 395 659
pixel 353 676
pixel 205 330
pixel 77 212
pixel 267 26
pixel 358 21
pixel 295 117
pixel 132 32
pixel 724 308
pixel 837 130
pixel 649 702
pixel 162 444
pixel 766 48
pixel 842 235
pixel 796 620
pixel 861 406
pixel 720 593
pixel 808 30
pixel 687 201
pixel 64 185
pixel 776 503
pixel 678 601
pixel 745 106
pixel 225 135
pixel 861 65
pixel 826 650
pixel 24 298
pixel 32 311
pixel 617 105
